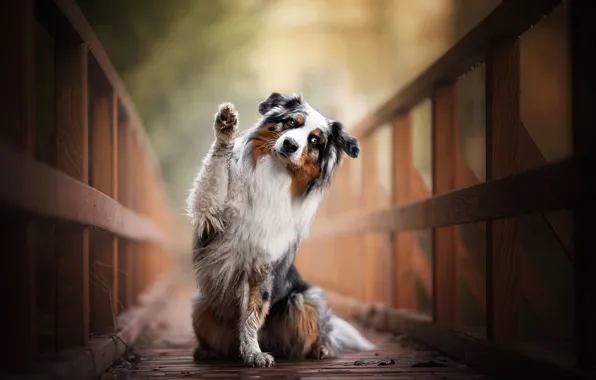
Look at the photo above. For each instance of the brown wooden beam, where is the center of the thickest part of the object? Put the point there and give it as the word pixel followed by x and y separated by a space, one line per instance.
pixel 583 35
pixel 402 242
pixel 103 249
pixel 444 135
pixel 503 235
pixel 72 241
pixel 551 187
pixel 17 272
pixel 49 192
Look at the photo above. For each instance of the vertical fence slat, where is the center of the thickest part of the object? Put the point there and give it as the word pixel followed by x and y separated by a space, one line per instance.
pixel 503 240
pixel 123 192
pixel 369 181
pixel 402 161
pixel 102 243
pixel 583 64
pixel 444 133
pixel 72 241
pixel 18 272
pixel 115 194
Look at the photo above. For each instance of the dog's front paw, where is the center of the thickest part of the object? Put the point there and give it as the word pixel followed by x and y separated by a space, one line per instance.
pixel 319 352
pixel 226 122
pixel 259 359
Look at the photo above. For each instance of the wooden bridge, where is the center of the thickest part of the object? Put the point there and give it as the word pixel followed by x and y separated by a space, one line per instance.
pixel 449 260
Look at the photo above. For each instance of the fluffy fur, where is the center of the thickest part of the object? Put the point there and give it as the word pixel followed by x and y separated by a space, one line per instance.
pixel 252 204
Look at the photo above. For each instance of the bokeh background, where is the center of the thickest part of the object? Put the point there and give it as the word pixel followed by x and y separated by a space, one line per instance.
pixel 180 58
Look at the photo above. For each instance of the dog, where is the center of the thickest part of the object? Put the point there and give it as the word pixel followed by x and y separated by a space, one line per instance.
pixel 252 204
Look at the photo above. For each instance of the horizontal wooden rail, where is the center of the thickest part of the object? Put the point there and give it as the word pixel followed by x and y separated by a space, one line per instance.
pixel 508 19
pixel 547 188
pixel 42 190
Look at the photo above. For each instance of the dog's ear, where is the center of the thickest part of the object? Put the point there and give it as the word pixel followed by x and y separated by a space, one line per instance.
pixel 273 100
pixel 347 143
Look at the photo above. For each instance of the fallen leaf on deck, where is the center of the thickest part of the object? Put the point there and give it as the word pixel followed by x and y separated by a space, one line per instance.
pixel 374 362
pixel 430 363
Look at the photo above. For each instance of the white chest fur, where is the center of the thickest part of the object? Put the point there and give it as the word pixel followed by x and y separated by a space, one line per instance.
pixel 268 217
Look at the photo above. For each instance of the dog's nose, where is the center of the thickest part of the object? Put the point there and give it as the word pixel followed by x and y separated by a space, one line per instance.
pixel 289 146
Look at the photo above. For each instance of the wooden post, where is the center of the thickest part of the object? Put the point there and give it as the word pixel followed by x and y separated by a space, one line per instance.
pixel 444 134
pixel 18 273
pixel 124 197
pixel 369 179
pixel 583 35
pixel 72 241
pixel 104 247
pixel 402 161
pixel 115 193
pixel 503 240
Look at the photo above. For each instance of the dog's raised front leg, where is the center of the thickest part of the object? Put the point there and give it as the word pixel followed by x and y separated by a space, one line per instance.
pixel 210 187
pixel 255 302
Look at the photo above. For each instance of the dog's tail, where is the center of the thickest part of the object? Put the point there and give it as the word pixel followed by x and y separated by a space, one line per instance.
pixel 344 338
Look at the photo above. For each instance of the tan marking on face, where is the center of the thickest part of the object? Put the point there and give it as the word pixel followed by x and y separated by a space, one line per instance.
pixel 264 141
pixel 304 172
pixel 300 119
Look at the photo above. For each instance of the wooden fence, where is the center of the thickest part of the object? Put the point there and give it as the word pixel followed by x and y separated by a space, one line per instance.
pixel 85 220
pixel 465 252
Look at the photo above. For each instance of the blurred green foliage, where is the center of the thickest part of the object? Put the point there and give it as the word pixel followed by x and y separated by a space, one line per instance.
pixel 179 59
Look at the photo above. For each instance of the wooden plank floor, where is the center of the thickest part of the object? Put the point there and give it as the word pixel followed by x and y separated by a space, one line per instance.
pixel 165 351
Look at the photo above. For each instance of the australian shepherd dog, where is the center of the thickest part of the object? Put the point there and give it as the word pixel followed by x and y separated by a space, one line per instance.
pixel 252 204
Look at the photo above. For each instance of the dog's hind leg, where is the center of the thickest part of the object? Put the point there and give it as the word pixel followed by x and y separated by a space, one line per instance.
pixel 298 325
pixel 216 336
pixel 209 190
pixel 255 300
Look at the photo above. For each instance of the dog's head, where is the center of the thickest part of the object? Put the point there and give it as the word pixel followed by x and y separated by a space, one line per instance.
pixel 299 137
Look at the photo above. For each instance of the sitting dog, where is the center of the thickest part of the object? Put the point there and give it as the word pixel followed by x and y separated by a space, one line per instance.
pixel 252 204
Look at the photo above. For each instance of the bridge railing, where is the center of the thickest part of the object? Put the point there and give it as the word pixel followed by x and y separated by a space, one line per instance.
pixel 86 223
pixel 460 237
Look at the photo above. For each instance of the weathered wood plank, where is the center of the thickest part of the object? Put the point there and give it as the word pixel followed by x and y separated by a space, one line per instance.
pixel 583 35
pixel 72 241
pixel 17 273
pixel 444 134
pixel 49 192
pixel 115 193
pixel 509 18
pixel 403 242
pixel 124 192
pixel 503 235
pixel 551 187
pixel 102 178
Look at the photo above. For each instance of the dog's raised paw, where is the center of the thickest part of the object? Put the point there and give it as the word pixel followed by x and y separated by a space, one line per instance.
pixel 226 120
pixel 259 360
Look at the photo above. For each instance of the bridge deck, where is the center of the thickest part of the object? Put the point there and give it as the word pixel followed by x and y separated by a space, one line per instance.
pixel 165 351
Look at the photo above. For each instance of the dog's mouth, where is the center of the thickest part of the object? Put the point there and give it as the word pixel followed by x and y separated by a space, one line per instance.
pixel 281 155
pixel 285 159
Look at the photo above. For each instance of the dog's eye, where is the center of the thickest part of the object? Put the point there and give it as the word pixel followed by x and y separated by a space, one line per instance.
pixel 290 123
pixel 314 141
